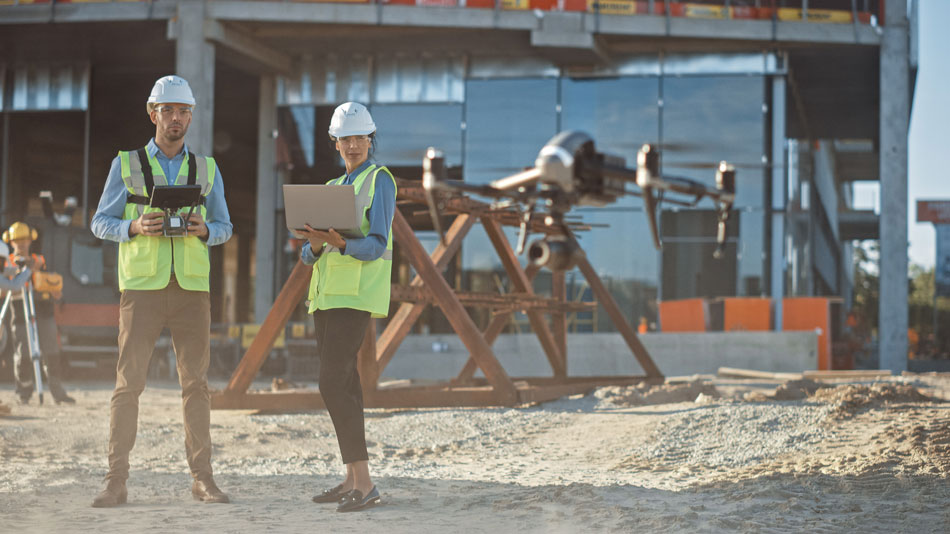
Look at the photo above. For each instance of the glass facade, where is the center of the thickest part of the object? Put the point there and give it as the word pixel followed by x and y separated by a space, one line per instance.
pixel 696 119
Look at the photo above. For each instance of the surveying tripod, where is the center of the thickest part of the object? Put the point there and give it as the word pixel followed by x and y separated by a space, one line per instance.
pixel 24 281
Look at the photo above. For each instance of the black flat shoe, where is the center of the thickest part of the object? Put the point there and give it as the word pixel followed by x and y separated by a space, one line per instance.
pixel 353 501
pixel 330 495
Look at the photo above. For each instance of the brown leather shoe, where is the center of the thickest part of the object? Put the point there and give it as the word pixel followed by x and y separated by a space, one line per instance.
pixel 114 495
pixel 205 490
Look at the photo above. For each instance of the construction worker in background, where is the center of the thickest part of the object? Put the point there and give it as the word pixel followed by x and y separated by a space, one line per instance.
pixel 164 283
pixel 350 285
pixel 644 325
pixel 20 236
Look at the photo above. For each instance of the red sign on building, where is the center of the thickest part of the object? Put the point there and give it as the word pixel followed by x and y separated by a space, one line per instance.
pixel 935 211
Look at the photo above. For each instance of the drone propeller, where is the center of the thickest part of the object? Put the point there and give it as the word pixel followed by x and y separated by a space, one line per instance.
pixel 703 165
pixel 433 176
pixel 648 167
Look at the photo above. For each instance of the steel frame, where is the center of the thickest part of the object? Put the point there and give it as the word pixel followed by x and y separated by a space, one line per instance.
pixel 497 388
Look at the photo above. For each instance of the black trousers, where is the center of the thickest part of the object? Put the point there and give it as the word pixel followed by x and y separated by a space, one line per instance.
pixel 339 336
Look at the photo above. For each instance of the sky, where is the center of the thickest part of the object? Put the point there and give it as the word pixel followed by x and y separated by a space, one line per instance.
pixel 929 151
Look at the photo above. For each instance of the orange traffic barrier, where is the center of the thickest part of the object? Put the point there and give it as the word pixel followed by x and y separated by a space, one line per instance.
pixel 687 315
pixel 747 314
pixel 810 313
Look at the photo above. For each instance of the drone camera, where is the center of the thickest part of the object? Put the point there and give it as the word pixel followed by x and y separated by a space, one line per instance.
pixel 555 253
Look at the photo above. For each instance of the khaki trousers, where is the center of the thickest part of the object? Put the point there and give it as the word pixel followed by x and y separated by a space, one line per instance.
pixel 142 315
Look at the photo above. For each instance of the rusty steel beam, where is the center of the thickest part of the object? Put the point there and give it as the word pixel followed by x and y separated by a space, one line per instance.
pixel 494 329
pixel 408 313
pixel 558 320
pixel 290 295
pixel 411 191
pixel 454 312
pixel 497 301
pixel 539 323
pixel 607 301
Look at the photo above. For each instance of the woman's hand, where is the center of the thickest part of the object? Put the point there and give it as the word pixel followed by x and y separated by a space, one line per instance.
pixel 318 237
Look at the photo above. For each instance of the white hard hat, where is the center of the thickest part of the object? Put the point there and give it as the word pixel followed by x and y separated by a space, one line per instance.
pixel 170 90
pixel 351 118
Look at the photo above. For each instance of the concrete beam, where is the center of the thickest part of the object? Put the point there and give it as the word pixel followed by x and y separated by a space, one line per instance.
pixel 262 57
pixel 104 12
pixel 194 61
pixel 778 202
pixel 894 123
pixel 266 247
pixel 461 17
pixel 451 17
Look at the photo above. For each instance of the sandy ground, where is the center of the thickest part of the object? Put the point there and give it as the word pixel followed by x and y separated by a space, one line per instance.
pixel 858 457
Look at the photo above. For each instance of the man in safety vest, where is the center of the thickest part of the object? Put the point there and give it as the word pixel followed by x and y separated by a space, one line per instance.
pixel 164 283
pixel 20 236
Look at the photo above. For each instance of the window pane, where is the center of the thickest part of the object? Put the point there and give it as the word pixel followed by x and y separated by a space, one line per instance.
pixel 86 262
pixel 621 115
pixel 406 131
pixel 508 121
pixel 707 119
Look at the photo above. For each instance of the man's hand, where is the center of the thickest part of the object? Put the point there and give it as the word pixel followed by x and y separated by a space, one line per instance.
pixel 197 226
pixel 147 224
pixel 318 237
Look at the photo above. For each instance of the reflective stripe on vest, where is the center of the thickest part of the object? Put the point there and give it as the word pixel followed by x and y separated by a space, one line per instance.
pixel 145 262
pixel 340 281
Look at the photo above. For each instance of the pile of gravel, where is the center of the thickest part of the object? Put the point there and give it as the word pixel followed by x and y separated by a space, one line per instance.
pixel 645 394
pixel 852 398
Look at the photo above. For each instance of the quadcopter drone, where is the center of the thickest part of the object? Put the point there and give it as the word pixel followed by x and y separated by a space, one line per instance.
pixel 569 172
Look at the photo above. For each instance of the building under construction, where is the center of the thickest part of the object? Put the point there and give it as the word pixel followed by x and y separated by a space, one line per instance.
pixel 804 97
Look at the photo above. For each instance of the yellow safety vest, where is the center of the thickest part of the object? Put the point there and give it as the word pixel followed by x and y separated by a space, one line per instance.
pixel 341 281
pixel 145 262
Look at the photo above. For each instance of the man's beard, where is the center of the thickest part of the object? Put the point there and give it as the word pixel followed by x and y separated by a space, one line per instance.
pixel 173 135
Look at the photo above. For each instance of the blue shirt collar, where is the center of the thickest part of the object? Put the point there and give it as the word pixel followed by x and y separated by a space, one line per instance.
pixel 155 152
pixel 352 176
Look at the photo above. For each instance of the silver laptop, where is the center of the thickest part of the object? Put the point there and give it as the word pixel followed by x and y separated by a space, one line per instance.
pixel 322 207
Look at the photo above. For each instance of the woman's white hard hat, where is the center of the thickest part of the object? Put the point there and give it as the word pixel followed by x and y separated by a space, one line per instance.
pixel 170 89
pixel 351 118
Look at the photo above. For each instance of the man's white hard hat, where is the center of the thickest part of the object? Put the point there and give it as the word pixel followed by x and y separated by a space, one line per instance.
pixel 351 118
pixel 170 89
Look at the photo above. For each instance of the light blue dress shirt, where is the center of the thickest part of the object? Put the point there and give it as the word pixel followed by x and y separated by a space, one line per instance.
pixel 108 223
pixel 380 215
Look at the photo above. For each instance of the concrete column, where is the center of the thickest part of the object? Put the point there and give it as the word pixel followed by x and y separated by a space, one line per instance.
pixel 894 122
pixel 194 61
pixel 778 200
pixel 267 248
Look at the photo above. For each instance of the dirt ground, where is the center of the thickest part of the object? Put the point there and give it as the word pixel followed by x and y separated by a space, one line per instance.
pixel 700 456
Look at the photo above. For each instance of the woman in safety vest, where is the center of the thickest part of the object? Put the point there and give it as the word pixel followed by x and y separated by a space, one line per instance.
pixel 349 286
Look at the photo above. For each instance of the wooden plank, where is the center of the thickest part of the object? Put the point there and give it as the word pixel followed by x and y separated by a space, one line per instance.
pixel 539 323
pixel 454 312
pixel 294 290
pixel 751 373
pixel 607 301
pixel 846 374
pixel 407 314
